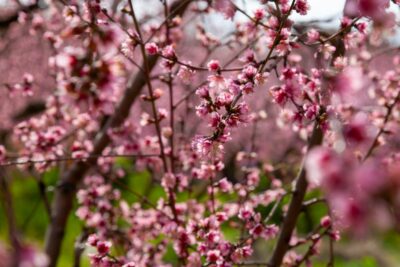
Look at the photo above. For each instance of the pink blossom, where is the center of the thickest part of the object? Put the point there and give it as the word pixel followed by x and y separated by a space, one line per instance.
pixel 302 7
pixel 313 36
pixel 168 181
pixel 214 256
pixel 356 132
pixel 371 8
pixel 264 105
pixel 151 48
pixel 169 52
pixel 259 14
pixel 225 7
pixel 225 185
pixel 349 81
pixel 202 145
pixel 2 153
pixel 246 213
pixel 217 82
pixel 186 74
pixel 103 247
pixel 213 65
pixel 326 221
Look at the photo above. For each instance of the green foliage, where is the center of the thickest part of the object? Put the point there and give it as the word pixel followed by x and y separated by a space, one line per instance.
pixel 366 261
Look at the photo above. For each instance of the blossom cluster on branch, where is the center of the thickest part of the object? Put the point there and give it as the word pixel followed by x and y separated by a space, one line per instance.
pixel 217 126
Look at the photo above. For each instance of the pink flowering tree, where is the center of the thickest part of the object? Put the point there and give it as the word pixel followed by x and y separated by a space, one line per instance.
pixel 179 143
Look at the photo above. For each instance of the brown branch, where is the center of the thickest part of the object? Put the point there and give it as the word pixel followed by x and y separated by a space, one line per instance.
pixel 79 247
pixel 10 217
pixel 295 206
pixel 331 262
pixel 30 110
pixel 66 189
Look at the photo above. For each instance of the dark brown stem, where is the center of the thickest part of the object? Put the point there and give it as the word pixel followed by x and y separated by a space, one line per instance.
pixel 295 206
pixel 79 247
pixel 43 195
pixel 331 262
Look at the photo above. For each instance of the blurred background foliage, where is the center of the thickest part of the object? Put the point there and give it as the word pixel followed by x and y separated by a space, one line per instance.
pixel 373 250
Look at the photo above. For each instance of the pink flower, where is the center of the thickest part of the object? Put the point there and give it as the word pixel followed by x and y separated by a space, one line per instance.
pixel 194 260
pixel 185 74
pixel 224 98
pixel 215 119
pixel 279 95
pixel 103 247
pixel 169 52
pixel 248 88
pixel 225 7
pixel 217 81
pixel 151 48
pixel 168 181
pixel 225 185
pixel 2 153
pixel 327 50
pixel 302 7
pixel 311 111
pixel 213 237
pixel 270 231
pixel 253 178
pixel 349 81
pixel 249 72
pixel 257 230
pixel 214 256
pixel 203 109
pixel 319 162
pixel 241 253
pixel 313 36
pixel 29 256
pixel 213 65
pixel 128 47
pixel 246 213
pixel 259 14
pixel 202 145
pixel 356 132
pixel 92 240
pixel 326 221
pixel 370 8
pixel 203 92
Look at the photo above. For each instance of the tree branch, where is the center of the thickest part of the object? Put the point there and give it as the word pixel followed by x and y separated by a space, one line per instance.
pixel 295 206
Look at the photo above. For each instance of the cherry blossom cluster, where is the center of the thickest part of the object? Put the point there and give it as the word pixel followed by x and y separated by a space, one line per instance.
pixel 217 129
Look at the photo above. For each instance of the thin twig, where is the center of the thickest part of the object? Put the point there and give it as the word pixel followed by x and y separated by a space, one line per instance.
pixel 389 110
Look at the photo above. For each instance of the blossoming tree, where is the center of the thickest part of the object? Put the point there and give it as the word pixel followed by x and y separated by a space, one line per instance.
pixel 169 139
